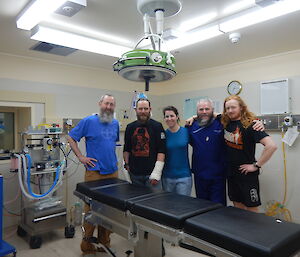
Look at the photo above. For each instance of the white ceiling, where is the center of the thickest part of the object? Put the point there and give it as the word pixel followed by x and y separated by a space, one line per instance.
pixel 121 18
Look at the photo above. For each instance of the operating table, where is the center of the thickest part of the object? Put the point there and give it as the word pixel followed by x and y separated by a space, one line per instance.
pixel 145 217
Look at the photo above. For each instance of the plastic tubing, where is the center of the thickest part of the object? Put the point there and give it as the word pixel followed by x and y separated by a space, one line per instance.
pixel 27 175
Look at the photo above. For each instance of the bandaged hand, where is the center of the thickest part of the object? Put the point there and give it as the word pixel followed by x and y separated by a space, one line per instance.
pixel 157 171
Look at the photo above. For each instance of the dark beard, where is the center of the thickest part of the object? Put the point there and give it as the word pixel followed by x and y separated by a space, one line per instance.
pixel 106 117
pixel 142 120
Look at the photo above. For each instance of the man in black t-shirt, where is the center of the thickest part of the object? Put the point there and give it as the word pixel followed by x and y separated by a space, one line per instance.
pixel 241 139
pixel 144 147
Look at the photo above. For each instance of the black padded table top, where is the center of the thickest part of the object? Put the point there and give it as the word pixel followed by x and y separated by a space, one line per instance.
pixel 115 194
pixel 170 209
pixel 245 233
pixel 87 187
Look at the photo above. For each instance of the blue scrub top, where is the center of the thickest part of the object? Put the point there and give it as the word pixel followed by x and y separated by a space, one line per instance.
pixel 208 159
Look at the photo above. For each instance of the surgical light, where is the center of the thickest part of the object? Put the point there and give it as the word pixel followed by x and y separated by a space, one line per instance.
pixel 150 65
pixel 72 40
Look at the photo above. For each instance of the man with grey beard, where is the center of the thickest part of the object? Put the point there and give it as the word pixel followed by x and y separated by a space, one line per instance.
pixel 208 159
pixel 101 132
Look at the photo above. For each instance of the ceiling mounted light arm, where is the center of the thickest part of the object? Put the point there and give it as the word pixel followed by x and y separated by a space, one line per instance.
pixel 159 17
pixel 158 9
pixel 147 25
pixel 151 36
pixel 147 31
pixel 145 65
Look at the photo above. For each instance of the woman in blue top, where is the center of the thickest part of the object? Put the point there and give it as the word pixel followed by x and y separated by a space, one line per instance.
pixel 177 173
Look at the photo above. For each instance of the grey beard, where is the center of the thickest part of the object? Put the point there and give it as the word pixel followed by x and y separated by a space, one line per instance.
pixel 205 123
pixel 106 117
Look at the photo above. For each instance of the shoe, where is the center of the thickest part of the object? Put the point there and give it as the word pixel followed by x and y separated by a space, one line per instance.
pixel 87 248
pixel 101 250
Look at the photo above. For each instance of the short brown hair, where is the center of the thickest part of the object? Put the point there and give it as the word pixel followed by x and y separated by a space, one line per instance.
pixel 142 99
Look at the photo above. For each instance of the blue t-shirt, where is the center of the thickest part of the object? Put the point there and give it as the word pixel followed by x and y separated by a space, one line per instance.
pixel 100 141
pixel 208 159
pixel 177 160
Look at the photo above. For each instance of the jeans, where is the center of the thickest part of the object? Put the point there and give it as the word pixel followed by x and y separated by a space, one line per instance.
pixel 144 181
pixel 181 186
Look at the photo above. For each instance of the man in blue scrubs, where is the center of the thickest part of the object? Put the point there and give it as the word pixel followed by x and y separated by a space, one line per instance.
pixel 101 132
pixel 208 159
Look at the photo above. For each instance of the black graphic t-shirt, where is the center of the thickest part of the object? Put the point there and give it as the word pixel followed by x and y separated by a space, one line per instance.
pixel 240 145
pixel 144 142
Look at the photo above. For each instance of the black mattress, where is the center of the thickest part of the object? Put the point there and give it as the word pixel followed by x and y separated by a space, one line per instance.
pixel 86 188
pixel 245 233
pixel 171 209
pixel 115 193
pixel 156 205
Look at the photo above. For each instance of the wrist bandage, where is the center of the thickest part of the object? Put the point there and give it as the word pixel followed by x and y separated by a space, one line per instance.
pixel 156 173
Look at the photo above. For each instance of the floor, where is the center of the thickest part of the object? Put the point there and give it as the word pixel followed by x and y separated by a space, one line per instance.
pixel 56 245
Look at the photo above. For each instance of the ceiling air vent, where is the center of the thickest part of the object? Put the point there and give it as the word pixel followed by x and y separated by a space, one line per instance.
pixel 53 49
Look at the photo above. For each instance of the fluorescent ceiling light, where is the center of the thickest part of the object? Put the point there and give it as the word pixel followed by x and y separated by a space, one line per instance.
pixel 89 32
pixel 67 39
pixel 36 11
pixel 238 6
pixel 246 19
pixel 192 38
pixel 196 22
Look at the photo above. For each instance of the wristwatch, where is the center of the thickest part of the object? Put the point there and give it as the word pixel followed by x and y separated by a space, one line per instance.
pixel 255 165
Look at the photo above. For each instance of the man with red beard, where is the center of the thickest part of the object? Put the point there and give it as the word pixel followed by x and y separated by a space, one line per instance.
pixel 241 140
pixel 101 132
pixel 144 147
